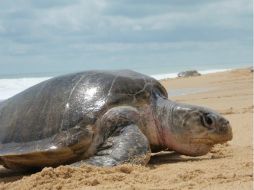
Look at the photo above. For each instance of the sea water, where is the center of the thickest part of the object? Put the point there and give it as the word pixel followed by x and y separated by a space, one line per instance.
pixel 11 86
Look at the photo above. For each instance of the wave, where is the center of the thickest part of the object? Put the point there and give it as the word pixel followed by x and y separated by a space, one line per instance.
pixel 10 87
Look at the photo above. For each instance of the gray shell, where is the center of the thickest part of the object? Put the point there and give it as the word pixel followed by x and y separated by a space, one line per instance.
pixel 60 103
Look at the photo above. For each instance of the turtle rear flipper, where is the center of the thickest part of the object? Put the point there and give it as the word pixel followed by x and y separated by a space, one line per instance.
pixel 37 160
pixel 126 145
pixel 64 147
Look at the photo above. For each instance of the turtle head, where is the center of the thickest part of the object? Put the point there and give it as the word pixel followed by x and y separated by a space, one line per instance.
pixel 193 130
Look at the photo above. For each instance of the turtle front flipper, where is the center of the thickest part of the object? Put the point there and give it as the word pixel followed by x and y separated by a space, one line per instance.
pixel 127 144
pixel 123 140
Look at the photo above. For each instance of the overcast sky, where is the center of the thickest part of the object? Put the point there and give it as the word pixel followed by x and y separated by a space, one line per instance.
pixel 69 35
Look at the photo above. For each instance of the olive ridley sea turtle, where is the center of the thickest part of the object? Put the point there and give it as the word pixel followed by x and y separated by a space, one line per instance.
pixel 102 118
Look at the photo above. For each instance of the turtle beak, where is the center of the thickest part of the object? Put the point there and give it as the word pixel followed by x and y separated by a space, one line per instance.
pixel 218 126
pixel 225 129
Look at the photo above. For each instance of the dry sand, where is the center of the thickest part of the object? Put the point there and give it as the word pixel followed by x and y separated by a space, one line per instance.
pixel 227 166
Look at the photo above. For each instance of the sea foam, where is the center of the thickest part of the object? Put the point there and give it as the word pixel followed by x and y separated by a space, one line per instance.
pixel 10 87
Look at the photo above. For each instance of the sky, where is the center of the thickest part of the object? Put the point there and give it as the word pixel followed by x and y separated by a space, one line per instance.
pixel 151 36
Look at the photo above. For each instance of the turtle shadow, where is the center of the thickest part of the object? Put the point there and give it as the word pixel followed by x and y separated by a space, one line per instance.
pixel 166 157
pixel 7 175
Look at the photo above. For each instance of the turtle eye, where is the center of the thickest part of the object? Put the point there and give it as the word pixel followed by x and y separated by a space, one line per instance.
pixel 207 120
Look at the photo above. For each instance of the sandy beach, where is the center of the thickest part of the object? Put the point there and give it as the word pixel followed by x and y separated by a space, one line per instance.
pixel 227 166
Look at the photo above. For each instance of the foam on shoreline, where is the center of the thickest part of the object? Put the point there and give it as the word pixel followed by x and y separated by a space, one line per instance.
pixel 174 75
pixel 10 87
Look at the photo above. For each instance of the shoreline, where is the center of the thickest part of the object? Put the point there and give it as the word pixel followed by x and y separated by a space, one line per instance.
pixel 170 72
pixel 11 86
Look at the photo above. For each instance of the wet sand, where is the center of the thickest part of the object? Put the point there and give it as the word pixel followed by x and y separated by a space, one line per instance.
pixel 227 166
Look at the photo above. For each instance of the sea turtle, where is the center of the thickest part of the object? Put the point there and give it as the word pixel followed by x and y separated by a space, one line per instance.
pixel 103 118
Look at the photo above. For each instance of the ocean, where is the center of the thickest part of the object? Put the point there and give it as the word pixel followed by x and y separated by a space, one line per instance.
pixel 13 84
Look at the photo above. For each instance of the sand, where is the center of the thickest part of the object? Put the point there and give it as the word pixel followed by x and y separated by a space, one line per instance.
pixel 227 166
